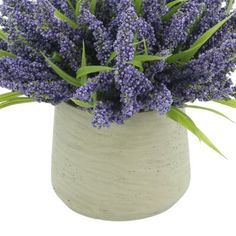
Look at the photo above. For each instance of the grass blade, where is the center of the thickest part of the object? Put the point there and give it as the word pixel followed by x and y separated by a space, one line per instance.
pixel 6 96
pixel 210 110
pixel 84 59
pixel 185 56
pixel 206 36
pixel 3 35
pixel 174 3
pixel 94 99
pixel 228 102
pixel 93 6
pixel 61 73
pixel 65 19
pixel 81 103
pixel 135 43
pixel 84 79
pixel 77 8
pixel 14 101
pixel 112 57
pixel 6 54
pixel 70 4
pixel 146 58
pixel 145 46
pixel 229 6
pixel 138 6
pixel 137 64
pixel 184 120
pixel 57 57
pixel 172 11
pixel 86 70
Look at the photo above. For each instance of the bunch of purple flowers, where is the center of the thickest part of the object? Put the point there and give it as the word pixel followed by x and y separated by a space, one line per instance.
pixel 118 57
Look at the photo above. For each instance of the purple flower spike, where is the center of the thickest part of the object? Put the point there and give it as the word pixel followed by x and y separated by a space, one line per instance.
pixel 116 36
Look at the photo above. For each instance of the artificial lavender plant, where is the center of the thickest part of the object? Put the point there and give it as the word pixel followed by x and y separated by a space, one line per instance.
pixel 116 58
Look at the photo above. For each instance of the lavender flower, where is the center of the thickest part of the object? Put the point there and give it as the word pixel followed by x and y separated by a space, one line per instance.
pixel 103 45
pixel 153 11
pixel 33 79
pixel 102 115
pixel 182 23
pixel 114 35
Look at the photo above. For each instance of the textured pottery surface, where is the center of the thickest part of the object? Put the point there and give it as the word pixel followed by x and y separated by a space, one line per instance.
pixel 125 172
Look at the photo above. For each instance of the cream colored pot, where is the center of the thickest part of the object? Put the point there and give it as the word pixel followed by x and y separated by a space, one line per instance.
pixel 125 172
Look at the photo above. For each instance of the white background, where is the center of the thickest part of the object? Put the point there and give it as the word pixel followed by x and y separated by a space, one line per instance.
pixel 29 207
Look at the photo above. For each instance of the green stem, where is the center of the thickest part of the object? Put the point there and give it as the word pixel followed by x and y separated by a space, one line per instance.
pixel 15 101
pixel 10 95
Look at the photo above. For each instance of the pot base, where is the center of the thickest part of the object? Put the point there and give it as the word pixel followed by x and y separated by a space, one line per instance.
pixel 125 172
pixel 105 215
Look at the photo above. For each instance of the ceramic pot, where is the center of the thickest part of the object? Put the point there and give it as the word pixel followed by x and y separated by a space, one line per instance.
pixel 126 172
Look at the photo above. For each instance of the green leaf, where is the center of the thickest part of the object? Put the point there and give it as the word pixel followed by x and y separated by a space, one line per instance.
pixel 112 57
pixel 57 57
pixel 229 6
pixel 86 70
pixel 3 35
pixel 84 60
pixel 137 64
pixel 93 6
pixel 184 120
pixel 14 101
pixel 65 19
pixel 209 109
pixel 84 79
pixel 81 103
pixel 171 12
pixel 207 35
pixel 174 3
pixel 77 8
pixel 145 58
pixel 23 39
pixel 94 98
pixel 227 102
pixel 6 96
pixel 138 6
pixel 145 46
pixel 12 98
pixel 70 4
pixel 185 56
pixel 6 54
pixel 61 73
pixel 135 42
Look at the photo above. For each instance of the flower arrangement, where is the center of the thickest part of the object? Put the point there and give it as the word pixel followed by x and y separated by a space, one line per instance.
pixel 116 58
